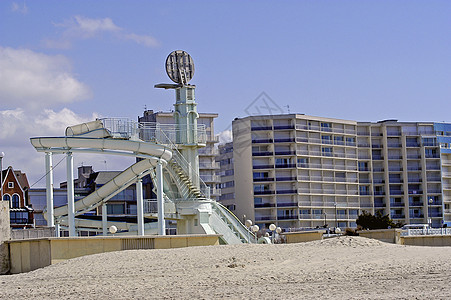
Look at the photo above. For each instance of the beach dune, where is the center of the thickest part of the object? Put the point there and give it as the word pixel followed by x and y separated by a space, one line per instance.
pixel 336 268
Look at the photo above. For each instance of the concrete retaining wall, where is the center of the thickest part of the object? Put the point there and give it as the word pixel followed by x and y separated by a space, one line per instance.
pixel 303 236
pixel 385 235
pixel 4 236
pixel 427 240
pixel 28 255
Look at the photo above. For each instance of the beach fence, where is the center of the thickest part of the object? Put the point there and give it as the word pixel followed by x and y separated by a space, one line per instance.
pixel 32 233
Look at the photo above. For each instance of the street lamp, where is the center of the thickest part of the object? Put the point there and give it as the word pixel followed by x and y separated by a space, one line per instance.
pixel 336 222
pixel 272 227
pixel 254 229
pixel 1 175
pixel 431 200
pixel 248 224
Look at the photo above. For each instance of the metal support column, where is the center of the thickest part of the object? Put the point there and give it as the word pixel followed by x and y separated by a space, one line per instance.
pixel 140 206
pixel 160 200
pixel 104 220
pixel 70 194
pixel 49 188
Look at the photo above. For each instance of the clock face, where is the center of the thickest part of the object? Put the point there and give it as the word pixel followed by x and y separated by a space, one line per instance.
pixel 180 67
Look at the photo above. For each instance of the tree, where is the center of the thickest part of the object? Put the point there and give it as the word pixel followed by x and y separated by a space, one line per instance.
pixel 377 221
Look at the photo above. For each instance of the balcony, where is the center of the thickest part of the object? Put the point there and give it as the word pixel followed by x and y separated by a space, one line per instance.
pixel 376 146
pixel 288 178
pixel 256 128
pixel 416 216
pixel 396 192
pixel 395 180
pixel 263 192
pixel 293 217
pixel 394 145
pixel 397 157
pixel 263 179
pixel 262 141
pixel 394 169
pixel 379 204
pixel 284 140
pixel 287 204
pixel 289 191
pixel 437 179
pixel 365 193
pixel 393 133
pixel 437 203
pixel 397 204
pixel 415 192
pixel 285 152
pixel 413 168
pixel 378 181
pixel 436 215
pixel 412 145
pixel 379 193
pixel 414 180
pixel 378 169
pixel 434 191
pixel 415 203
pixel 260 205
pixel 264 218
pixel 413 156
pixel 377 157
pixel 210 178
pixel 432 156
pixel 262 153
pixel 284 166
pixel 436 168
pixel 263 167
pixel 364 133
pixel 397 216
pixel 283 127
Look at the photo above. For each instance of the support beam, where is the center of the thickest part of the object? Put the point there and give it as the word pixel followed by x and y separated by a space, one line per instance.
pixel 70 194
pixel 140 206
pixel 160 200
pixel 104 220
pixel 49 188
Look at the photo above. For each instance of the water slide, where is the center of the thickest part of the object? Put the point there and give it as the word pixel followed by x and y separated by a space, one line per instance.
pixel 93 137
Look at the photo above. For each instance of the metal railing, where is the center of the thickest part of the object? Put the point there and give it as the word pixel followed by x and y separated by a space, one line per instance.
pixel 426 231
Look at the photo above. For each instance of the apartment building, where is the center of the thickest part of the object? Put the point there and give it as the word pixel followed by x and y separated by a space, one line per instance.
pixel 227 185
pixel 303 171
pixel 208 167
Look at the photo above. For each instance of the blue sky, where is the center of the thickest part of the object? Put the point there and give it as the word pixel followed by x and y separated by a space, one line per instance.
pixel 62 62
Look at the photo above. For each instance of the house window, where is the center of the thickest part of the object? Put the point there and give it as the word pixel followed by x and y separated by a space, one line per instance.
pixel 6 197
pixel 10 185
pixel 15 201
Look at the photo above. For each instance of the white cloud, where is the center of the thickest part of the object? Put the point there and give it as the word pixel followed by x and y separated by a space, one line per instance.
pixel 80 27
pixel 18 126
pixel 225 136
pixel 31 79
pixel 20 8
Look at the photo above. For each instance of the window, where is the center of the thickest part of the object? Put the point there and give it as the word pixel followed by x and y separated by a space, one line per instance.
pixel 10 185
pixel 115 209
pixel 15 201
pixel 326 139
pixel 326 127
pixel 6 197
pixel 303 162
pixel 258 175
pixel 327 151
pixel 18 217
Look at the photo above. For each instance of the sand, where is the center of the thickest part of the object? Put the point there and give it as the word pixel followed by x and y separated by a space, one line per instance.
pixel 337 268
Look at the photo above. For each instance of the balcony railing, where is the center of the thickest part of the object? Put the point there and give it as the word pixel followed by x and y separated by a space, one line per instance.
pixel 264 218
pixel 284 140
pixel 255 128
pixel 416 216
pixel 412 145
pixel 285 152
pixel 285 165
pixel 283 127
pixel 286 204
pixel 260 205
pixel 396 192
pixel 263 179
pixel 262 141
pixel 263 192
pixel 415 203
pixel 292 217
pixel 396 204
pixel 397 216
pixel 263 167
pixel 289 191
pixel 287 178
pixel 378 204
pixel 262 153
pixel 415 192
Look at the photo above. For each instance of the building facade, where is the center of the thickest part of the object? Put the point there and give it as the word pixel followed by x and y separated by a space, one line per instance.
pixel 15 191
pixel 227 185
pixel 303 172
pixel 208 167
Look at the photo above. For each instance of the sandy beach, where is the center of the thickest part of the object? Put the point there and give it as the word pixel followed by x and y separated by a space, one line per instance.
pixel 337 268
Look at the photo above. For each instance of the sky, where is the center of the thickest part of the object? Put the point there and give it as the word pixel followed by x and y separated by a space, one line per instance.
pixel 67 62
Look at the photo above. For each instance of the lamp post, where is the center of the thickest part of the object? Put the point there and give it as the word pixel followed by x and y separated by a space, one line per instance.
pixel 248 224
pixel 336 222
pixel 255 229
pixel 431 200
pixel 1 175
pixel 272 227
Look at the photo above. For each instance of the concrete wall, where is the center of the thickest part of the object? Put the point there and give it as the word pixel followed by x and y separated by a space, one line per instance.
pixel 304 236
pixel 427 240
pixel 385 235
pixel 4 236
pixel 28 255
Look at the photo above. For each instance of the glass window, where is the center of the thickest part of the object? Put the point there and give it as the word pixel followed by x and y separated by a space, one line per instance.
pixel 15 201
